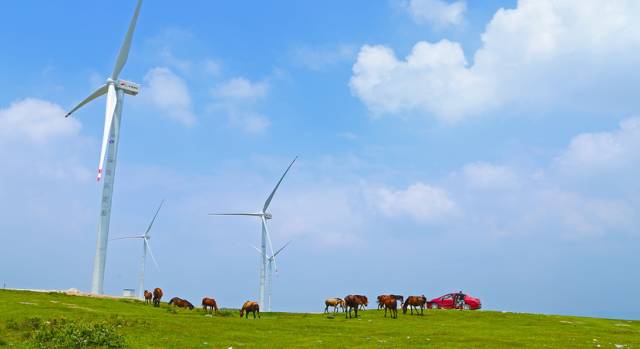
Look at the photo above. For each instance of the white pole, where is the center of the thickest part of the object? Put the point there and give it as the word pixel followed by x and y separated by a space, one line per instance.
pixel 263 265
pixel 144 256
pixel 100 258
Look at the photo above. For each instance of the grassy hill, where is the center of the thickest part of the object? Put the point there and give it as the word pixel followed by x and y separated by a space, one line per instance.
pixel 30 319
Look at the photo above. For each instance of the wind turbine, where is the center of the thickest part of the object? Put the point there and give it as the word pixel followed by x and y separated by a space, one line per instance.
pixel 115 89
pixel 145 247
pixel 264 215
pixel 271 262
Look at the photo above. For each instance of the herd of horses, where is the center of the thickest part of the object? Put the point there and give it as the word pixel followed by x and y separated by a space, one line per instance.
pixel 387 301
pixel 352 302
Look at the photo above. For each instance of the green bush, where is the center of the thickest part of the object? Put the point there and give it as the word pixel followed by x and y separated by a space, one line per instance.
pixel 64 333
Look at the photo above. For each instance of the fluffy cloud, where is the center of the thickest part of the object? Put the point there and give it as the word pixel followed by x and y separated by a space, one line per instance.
pixel 529 55
pixel 167 92
pixel 36 121
pixel 437 12
pixel 238 97
pixel 619 149
pixel 419 201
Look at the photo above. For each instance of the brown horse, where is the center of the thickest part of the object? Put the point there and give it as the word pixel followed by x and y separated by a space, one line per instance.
pixel 364 305
pixel 415 302
pixel 250 307
pixel 210 304
pixel 157 296
pixel 147 297
pixel 181 303
pixel 395 296
pixel 389 302
pixel 335 303
pixel 354 302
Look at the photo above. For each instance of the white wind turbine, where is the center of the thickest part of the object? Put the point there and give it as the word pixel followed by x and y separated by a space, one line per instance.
pixel 145 247
pixel 115 89
pixel 271 263
pixel 264 216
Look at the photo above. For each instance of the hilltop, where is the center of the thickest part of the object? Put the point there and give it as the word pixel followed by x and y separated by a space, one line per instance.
pixel 130 323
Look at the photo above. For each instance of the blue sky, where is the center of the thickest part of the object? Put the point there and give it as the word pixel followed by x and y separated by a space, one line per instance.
pixel 485 146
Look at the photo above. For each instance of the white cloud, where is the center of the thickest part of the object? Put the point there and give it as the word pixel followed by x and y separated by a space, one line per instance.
pixel 419 201
pixel 531 55
pixel 238 97
pixel 169 93
pixel 437 12
pixel 241 89
pixel 37 121
pixel 603 150
pixel 321 58
pixel 483 175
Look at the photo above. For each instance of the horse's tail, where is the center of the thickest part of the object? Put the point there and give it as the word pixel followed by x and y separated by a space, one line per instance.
pixel 404 306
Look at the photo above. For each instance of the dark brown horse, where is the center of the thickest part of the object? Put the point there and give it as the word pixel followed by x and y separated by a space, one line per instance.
pixel 209 305
pixel 389 302
pixel 398 298
pixel 250 307
pixel 354 302
pixel 147 297
pixel 157 296
pixel 415 302
pixel 181 303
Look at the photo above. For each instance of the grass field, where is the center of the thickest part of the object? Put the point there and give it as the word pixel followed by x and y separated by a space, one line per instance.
pixel 140 326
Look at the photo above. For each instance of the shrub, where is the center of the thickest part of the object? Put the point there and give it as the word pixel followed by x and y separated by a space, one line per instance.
pixel 64 333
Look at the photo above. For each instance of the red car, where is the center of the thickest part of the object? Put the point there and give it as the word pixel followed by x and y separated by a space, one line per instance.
pixel 447 302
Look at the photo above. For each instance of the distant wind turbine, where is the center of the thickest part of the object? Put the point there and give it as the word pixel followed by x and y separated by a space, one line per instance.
pixel 145 247
pixel 264 215
pixel 115 89
pixel 271 263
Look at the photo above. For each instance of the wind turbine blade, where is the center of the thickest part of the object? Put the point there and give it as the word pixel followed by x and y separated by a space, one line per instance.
pixel 281 248
pixel 126 45
pixel 236 214
pixel 146 233
pixel 264 226
pixel 146 244
pixel 128 237
pixel 97 93
pixel 112 101
pixel 257 249
pixel 266 203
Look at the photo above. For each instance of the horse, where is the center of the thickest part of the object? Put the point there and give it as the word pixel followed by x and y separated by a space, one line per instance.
pixel 209 303
pixel 364 305
pixel 147 297
pixel 415 302
pixel 389 302
pixel 157 295
pixel 333 302
pixel 182 303
pixel 250 306
pixel 354 302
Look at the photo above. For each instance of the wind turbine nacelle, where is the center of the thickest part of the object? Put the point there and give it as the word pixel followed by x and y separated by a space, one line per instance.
pixel 267 215
pixel 128 87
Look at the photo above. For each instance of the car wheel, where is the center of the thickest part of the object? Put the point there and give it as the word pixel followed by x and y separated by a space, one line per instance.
pixel 466 307
pixel 434 306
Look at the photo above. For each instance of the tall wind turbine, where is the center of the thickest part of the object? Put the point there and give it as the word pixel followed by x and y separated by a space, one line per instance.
pixel 271 262
pixel 115 89
pixel 264 215
pixel 145 247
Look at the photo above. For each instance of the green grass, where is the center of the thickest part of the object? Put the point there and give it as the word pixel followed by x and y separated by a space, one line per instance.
pixel 147 327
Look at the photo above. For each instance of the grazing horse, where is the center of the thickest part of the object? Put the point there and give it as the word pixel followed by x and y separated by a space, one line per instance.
pixel 182 303
pixel 333 302
pixel 250 307
pixel 389 302
pixel 354 302
pixel 157 295
pixel 209 303
pixel 147 297
pixel 415 302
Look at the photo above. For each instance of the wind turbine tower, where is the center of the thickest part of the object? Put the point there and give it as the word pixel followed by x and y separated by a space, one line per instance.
pixel 145 247
pixel 271 263
pixel 115 89
pixel 263 215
